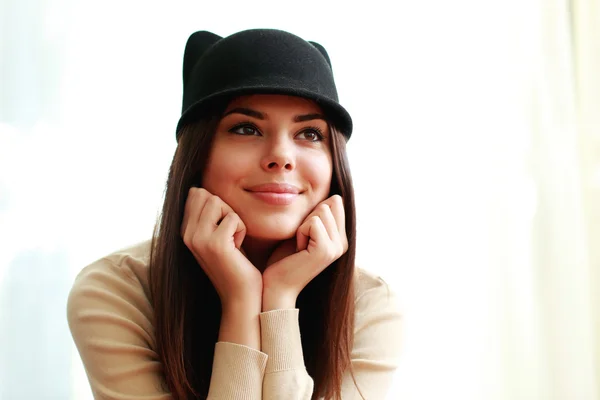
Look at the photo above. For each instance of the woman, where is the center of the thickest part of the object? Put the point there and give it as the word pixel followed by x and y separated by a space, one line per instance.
pixel 248 288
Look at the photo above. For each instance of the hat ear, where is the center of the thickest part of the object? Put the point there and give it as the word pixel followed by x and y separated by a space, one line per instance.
pixel 322 51
pixel 196 45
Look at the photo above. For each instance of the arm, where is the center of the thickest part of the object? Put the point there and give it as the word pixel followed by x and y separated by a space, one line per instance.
pixel 320 240
pixel 374 355
pixel 111 323
pixel 240 324
pixel 239 365
pixel 377 344
pixel 285 375
pixel 214 233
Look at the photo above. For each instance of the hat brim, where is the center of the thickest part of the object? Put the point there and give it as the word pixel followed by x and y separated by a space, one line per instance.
pixel 334 112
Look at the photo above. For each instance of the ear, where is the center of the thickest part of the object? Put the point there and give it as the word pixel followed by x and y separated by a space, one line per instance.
pixel 322 51
pixel 196 45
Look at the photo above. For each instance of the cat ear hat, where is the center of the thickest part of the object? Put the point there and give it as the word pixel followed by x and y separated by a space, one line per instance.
pixel 257 61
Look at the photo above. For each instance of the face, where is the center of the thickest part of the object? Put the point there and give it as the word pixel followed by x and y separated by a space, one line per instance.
pixel 271 162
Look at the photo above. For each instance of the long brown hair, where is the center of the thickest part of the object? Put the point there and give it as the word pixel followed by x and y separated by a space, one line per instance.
pixel 187 309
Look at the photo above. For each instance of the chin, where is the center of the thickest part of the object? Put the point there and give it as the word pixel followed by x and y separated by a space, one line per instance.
pixel 272 230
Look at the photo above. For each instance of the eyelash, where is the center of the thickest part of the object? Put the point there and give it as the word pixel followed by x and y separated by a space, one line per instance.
pixel 315 129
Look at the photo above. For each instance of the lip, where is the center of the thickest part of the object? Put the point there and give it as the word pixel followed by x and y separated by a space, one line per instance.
pixel 280 188
pixel 276 199
pixel 278 194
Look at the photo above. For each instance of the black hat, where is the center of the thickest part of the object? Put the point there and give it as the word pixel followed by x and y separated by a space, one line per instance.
pixel 258 61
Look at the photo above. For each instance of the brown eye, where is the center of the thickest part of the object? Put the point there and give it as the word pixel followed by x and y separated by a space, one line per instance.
pixel 312 135
pixel 244 129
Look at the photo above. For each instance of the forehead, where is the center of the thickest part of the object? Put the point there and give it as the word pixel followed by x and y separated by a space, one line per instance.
pixel 275 103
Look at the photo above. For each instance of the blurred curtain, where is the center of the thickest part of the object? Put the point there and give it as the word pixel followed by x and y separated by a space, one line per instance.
pixel 566 230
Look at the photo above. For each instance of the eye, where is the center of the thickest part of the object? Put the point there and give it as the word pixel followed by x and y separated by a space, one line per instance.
pixel 313 134
pixel 245 129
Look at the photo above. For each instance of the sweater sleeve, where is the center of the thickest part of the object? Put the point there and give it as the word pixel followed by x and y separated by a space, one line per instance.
pixel 374 356
pixel 111 321
pixel 285 376
pixel 377 345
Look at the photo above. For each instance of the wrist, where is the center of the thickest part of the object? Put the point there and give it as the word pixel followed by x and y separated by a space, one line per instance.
pixel 241 306
pixel 274 299
pixel 240 323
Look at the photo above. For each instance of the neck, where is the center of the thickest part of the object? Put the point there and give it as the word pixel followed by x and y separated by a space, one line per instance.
pixel 258 251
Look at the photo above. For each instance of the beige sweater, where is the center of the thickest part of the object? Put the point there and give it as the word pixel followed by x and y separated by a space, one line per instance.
pixel 111 320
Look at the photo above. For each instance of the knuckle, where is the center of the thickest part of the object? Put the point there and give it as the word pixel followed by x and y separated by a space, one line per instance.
pixel 201 193
pixel 196 191
pixel 214 200
pixel 337 201
pixel 323 207
pixel 234 217
pixel 331 254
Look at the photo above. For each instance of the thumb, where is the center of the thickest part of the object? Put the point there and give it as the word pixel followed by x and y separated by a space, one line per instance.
pixel 303 236
pixel 232 226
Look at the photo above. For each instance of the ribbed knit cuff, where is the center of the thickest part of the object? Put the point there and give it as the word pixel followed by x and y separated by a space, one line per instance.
pixel 237 372
pixel 280 340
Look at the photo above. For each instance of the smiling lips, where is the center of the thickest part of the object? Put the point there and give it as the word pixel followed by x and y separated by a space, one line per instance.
pixel 279 194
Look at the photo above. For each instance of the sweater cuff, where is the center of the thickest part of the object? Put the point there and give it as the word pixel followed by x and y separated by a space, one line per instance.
pixel 237 372
pixel 280 340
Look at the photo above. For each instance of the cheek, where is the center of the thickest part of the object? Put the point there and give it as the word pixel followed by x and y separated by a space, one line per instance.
pixel 223 169
pixel 318 171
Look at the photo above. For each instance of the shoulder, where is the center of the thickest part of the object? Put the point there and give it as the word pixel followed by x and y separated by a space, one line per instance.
pixel 131 260
pixel 372 286
pixel 124 268
pixel 114 287
pixel 376 303
pixel 111 321
pixel 378 322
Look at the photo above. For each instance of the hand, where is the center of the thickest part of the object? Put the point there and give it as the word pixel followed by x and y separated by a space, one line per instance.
pixel 214 234
pixel 320 240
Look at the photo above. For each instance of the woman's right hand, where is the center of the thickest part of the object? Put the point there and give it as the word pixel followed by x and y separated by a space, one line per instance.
pixel 214 234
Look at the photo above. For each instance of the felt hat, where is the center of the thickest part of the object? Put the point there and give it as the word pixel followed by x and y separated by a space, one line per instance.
pixel 267 61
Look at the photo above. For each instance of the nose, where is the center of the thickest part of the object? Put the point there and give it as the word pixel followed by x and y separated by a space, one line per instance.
pixel 279 157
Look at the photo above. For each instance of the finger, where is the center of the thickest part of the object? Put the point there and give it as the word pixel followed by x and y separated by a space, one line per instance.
pixel 339 213
pixel 213 212
pixel 232 226
pixel 324 212
pixel 314 233
pixel 302 240
pixel 336 204
pixel 323 245
pixel 193 207
pixel 302 234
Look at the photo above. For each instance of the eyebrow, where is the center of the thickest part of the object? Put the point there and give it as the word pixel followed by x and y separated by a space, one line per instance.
pixel 258 115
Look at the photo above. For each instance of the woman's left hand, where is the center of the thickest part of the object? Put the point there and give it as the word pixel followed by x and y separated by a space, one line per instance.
pixel 320 240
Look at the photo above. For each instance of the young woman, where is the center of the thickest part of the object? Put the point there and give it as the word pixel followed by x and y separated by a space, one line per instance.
pixel 248 288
